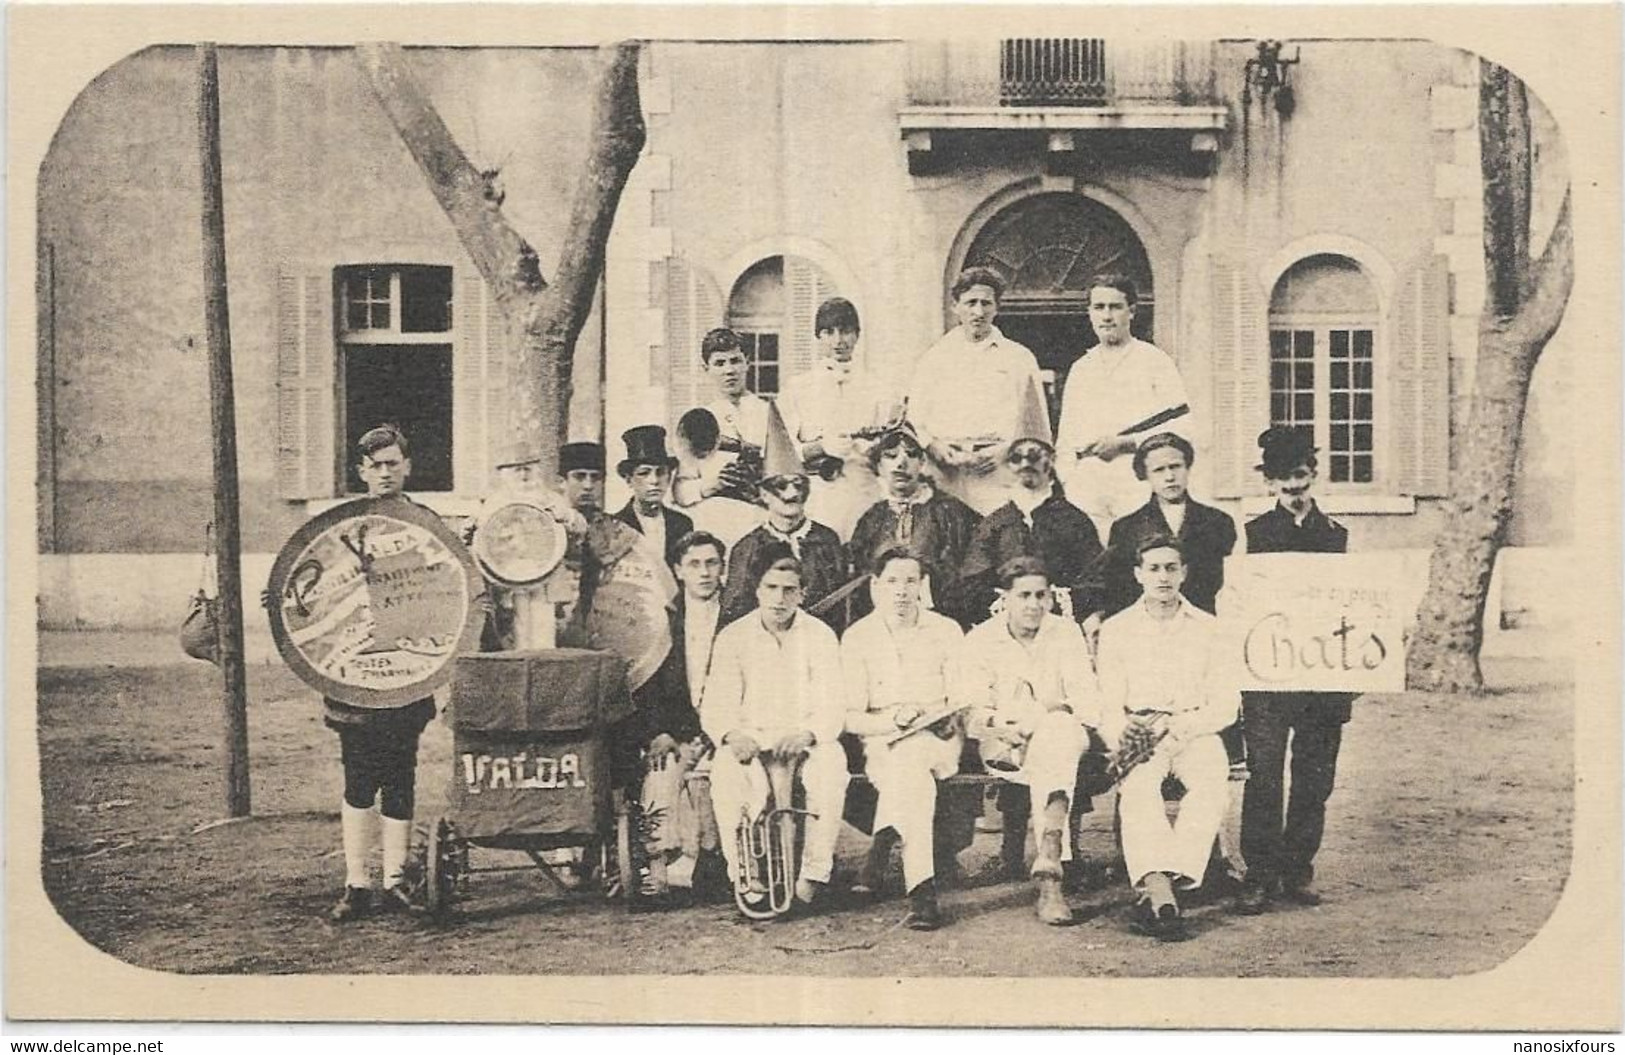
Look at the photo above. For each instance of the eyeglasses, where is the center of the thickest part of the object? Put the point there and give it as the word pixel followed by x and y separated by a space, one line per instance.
pixel 1029 456
pixel 788 488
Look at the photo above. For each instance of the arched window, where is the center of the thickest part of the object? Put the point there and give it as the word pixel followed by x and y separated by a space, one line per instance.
pixel 771 307
pixel 1324 376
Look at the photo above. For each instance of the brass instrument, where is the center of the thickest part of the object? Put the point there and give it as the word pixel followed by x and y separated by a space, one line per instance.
pixel 769 851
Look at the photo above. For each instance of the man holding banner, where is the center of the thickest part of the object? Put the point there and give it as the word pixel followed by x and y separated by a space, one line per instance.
pixel 1280 857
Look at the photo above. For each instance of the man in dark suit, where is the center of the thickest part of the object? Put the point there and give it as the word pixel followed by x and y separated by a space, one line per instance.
pixel 1280 853
pixel 1207 535
pixel 647 470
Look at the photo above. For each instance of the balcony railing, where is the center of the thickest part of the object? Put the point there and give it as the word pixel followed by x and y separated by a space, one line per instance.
pixel 1061 71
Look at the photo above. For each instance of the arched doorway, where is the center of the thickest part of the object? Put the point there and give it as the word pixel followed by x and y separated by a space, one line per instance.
pixel 1047 247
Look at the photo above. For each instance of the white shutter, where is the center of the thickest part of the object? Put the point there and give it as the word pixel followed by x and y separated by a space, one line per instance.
pixel 479 386
pixel 1419 383
pixel 805 287
pixel 693 306
pixel 1240 374
pixel 307 425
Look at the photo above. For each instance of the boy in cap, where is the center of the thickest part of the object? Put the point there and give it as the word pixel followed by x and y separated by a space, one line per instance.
pixel 784 490
pixel 1280 856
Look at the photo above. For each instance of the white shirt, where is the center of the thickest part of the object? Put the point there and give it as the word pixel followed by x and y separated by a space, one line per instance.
pixel 886 665
pixel 1169 665
pixel 830 402
pixel 746 420
pixel 699 635
pixel 1108 390
pixel 966 391
pixel 768 687
pixel 1011 680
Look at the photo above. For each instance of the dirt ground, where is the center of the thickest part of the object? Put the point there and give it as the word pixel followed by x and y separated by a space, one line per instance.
pixel 1448 842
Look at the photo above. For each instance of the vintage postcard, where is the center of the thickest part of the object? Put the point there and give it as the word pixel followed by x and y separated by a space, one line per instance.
pixel 935 516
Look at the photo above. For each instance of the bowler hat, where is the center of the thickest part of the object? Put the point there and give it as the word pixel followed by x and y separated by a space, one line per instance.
pixel 1284 448
pixel 645 445
pixel 581 455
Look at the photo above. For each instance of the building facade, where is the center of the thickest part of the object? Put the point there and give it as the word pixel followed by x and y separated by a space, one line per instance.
pixel 1307 236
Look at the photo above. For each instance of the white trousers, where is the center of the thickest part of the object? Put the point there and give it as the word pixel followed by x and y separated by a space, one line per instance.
pixel 1051 765
pixel 739 791
pixel 905 778
pixel 1151 843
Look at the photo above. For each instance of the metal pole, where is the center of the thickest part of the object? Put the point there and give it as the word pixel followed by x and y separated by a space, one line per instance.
pixel 223 418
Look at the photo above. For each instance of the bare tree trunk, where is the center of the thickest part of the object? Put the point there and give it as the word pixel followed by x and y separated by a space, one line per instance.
pixel 1523 308
pixel 541 323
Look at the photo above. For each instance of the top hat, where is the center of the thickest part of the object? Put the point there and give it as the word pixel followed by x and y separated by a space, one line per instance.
pixel 1283 449
pixel 1032 419
pixel 645 445
pixel 581 455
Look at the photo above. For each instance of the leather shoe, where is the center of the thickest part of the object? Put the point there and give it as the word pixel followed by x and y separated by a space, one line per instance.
pixel 1254 899
pixel 355 903
pixel 923 912
pixel 872 878
pixel 1300 894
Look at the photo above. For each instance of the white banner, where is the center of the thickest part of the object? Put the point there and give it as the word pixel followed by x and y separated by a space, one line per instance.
pixel 1322 622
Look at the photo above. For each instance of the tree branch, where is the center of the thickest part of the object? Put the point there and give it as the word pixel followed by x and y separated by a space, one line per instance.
pixel 503 257
pixel 617 140
pixel 1550 283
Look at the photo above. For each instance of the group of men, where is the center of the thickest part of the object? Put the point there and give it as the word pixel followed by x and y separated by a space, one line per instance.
pixel 920 571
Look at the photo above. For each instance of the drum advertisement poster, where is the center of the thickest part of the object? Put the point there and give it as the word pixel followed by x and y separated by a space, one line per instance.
pixel 371 601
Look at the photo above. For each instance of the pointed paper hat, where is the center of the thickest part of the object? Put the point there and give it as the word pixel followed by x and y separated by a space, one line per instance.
pixel 1032 419
pixel 779 456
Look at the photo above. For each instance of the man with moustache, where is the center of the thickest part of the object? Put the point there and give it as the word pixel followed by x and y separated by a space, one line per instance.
pixel 1032 694
pixel 1161 676
pixel 966 391
pixel 903 685
pixel 1280 854
pixel 784 491
pixel 775 690
pixel 914 513
pixel 1119 392
pixel 1039 521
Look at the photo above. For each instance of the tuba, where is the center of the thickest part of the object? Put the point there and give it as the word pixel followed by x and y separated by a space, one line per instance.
pixel 769 851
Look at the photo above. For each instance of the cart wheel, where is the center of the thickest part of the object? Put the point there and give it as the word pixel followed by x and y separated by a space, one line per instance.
pixel 443 866
pixel 626 872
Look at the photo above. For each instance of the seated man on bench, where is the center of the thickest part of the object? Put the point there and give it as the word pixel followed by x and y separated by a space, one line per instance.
pixel 775 690
pixel 1034 693
pixel 903 693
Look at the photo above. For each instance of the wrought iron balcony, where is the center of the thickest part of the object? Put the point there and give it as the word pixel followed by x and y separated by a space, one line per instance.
pixel 1061 72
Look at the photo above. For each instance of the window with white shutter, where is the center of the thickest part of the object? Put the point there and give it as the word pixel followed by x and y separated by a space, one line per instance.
pixel 1326 370
pixel 772 308
pixel 416 345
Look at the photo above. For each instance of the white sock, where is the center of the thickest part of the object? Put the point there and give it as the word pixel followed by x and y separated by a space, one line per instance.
pixel 356 826
pixel 397 840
